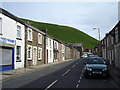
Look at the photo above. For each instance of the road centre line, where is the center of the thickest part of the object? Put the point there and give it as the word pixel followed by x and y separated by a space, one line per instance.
pixel 73 66
pixel 77 63
pixel 66 72
pixel 51 84
pixel 81 75
pixel 82 70
pixel 77 85
pixel 78 81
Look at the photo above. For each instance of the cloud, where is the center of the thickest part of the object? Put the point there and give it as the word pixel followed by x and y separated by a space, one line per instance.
pixel 81 15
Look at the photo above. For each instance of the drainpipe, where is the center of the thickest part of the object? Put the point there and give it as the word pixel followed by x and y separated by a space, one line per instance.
pixel 25 58
pixel 45 46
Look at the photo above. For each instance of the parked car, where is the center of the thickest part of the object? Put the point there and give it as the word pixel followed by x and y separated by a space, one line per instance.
pixel 86 54
pixel 96 67
pixel 92 56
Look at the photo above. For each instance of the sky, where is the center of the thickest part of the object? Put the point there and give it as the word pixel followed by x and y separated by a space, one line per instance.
pixel 81 15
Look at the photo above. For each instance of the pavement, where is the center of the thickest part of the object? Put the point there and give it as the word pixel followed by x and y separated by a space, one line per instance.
pixel 115 74
pixel 6 75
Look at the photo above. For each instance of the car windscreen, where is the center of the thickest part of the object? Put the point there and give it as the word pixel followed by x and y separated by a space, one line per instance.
pixel 95 61
pixel 90 56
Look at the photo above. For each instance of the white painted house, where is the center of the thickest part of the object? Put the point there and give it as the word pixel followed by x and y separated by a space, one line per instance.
pixel 63 52
pixel 49 49
pixel 11 41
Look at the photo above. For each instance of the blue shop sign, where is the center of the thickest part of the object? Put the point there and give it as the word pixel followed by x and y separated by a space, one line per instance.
pixel 8 41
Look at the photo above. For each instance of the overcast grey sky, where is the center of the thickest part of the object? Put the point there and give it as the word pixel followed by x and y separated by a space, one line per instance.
pixel 81 15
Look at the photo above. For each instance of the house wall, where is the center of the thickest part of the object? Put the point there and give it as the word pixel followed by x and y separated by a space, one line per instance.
pixel 63 52
pixel 20 64
pixel 55 50
pixel 60 51
pixel 67 53
pixel 9 31
pixel 35 46
pixel 112 46
pixel 49 48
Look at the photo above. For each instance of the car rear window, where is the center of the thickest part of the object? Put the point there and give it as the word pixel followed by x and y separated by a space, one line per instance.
pixel 95 61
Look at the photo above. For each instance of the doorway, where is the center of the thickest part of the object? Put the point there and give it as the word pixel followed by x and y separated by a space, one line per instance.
pixel 34 55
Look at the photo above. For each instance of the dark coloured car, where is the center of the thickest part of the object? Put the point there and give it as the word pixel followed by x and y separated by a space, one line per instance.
pixel 91 56
pixel 96 67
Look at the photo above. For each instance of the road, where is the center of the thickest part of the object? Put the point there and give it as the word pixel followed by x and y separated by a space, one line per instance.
pixel 63 75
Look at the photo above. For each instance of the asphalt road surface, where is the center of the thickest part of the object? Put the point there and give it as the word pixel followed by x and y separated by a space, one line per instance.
pixel 64 75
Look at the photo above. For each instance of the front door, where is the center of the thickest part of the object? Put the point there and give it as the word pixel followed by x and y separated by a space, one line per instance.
pixel 34 55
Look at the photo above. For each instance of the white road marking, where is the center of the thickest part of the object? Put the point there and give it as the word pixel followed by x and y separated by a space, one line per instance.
pixel 66 72
pixel 78 81
pixel 51 84
pixel 80 77
pixel 77 85
pixel 82 70
pixel 73 66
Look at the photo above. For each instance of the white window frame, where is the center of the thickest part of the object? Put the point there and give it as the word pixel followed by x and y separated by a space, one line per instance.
pixel 29 58
pixel 39 38
pixel 39 51
pixel 30 38
pixel 50 54
pixel 19 30
pixel 50 43
pixel 18 52
pixel 0 25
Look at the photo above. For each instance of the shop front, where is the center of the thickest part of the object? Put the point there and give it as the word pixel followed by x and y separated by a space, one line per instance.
pixel 7 47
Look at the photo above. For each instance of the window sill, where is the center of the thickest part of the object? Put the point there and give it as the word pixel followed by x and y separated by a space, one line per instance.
pixel 29 59
pixel 39 59
pixel 18 38
pixel 40 43
pixel 18 60
pixel 30 40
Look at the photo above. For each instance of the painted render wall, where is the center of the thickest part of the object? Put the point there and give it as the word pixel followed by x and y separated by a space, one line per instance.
pixel 50 49
pixel 22 44
pixel 9 30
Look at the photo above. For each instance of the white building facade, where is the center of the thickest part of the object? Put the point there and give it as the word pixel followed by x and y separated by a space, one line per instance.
pixel 11 42
pixel 49 50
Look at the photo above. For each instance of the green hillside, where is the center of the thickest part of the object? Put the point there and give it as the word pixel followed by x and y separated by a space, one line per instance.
pixel 65 33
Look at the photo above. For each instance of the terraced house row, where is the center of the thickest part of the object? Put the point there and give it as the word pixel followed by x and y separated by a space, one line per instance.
pixel 22 45
pixel 109 47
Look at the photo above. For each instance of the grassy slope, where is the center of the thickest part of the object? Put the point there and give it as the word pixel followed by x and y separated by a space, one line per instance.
pixel 66 34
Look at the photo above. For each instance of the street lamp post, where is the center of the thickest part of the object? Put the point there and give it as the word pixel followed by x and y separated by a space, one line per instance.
pixel 99 49
pixel 98 32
